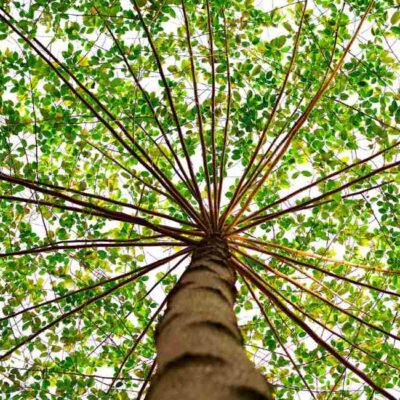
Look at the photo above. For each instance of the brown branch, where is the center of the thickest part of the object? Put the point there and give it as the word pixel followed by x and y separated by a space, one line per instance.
pixel 236 198
pixel 324 327
pixel 64 207
pixel 140 337
pixel 148 164
pixel 136 342
pixel 264 288
pixel 272 161
pixel 262 219
pixel 316 295
pixel 317 281
pixel 227 120
pixel 185 179
pixel 147 379
pixel 106 199
pixel 127 243
pixel 169 97
pixel 142 270
pixel 323 179
pixel 362 191
pixel 173 232
pixel 291 261
pixel 120 203
pixel 198 108
pixel 70 313
pixel 258 169
pixel 213 210
pixel 278 338
pixel 318 256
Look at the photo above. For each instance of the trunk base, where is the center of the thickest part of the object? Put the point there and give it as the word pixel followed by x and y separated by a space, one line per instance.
pixel 200 351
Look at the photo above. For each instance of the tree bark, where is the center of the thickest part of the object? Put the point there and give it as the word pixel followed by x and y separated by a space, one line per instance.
pixel 200 351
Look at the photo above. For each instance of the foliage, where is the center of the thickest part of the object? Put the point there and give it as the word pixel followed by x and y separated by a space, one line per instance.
pixel 129 130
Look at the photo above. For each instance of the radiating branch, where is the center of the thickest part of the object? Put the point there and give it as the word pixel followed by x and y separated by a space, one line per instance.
pixel 227 119
pixel 136 343
pixel 116 215
pixel 198 108
pixel 213 210
pixel 140 337
pixel 139 271
pixel 146 161
pixel 316 295
pixel 317 256
pixel 127 244
pixel 320 283
pixel 147 379
pixel 284 145
pixel 320 180
pixel 117 202
pixel 316 321
pixel 298 207
pixel 70 313
pixel 169 97
pixel 185 178
pixel 236 196
pixel 263 286
pixel 353 194
pixel 278 338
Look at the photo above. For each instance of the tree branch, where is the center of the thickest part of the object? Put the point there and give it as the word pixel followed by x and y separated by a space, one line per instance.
pixel 141 270
pixel 70 313
pixel 275 333
pixel 262 286
pixel 262 219
pixel 236 198
pixel 301 120
pixel 169 97
pixel 198 108
pixel 316 295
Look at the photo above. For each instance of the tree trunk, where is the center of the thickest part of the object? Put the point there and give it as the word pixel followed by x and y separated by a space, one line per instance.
pixel 200 351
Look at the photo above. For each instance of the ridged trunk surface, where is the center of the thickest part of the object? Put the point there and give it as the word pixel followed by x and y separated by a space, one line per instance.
pixel 200 351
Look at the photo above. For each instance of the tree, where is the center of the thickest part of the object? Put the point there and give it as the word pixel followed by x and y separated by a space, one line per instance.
pixel 256 145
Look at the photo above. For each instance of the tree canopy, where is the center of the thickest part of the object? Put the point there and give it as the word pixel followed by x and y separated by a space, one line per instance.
pixel 130 130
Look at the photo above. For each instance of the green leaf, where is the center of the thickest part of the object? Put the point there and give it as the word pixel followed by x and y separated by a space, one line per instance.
pixel 395 18
pixel 278 41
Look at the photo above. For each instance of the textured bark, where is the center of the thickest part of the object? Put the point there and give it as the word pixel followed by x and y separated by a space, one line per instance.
pixel 200 351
